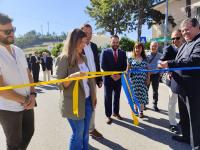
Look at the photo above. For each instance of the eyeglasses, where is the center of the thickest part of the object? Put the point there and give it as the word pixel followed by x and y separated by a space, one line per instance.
pixel 175 38
pixel 9 31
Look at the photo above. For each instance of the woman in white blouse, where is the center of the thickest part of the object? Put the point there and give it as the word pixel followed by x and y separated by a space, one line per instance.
pixel 71 63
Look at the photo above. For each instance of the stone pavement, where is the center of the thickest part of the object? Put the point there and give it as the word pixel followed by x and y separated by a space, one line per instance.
pixel 52 132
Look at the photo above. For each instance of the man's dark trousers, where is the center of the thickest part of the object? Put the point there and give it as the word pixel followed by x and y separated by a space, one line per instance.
pixel 114 86
pixel 18 128
pixel 155 78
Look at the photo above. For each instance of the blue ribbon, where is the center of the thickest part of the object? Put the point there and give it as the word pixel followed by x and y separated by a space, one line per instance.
pixel 126 84
pixel 164 70
pixel 132 99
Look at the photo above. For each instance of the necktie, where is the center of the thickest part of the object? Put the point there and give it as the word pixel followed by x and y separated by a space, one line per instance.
pixel 115 55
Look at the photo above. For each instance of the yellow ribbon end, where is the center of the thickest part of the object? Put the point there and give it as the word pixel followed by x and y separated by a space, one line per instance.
pixel 135 119
pixel 75 99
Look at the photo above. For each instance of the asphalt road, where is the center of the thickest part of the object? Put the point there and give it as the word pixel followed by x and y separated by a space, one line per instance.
pixel 52 132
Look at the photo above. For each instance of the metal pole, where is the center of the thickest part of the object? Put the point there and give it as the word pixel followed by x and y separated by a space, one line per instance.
pixel 166 23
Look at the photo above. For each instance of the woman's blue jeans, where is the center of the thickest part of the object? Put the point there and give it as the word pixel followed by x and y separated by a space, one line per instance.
pixel 80 136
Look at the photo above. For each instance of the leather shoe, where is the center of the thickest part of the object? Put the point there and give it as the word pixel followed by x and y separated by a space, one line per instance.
pixel 96 134
pixel 174 129
pixel 118 116
pixel 109 120
pixel 156 109
pixel 180 139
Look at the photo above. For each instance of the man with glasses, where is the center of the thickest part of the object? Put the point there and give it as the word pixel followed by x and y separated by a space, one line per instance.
pixel 169 53
pixel 187 83
pixel 16 105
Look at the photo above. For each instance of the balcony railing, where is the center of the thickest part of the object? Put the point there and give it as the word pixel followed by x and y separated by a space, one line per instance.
pixel 156 2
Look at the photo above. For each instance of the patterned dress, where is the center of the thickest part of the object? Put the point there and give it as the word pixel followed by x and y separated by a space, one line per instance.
pixel 138 80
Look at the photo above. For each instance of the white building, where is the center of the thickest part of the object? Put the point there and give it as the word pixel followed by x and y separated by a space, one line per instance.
pixel 176 8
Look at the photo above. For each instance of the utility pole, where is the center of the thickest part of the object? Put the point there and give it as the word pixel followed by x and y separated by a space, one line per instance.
pixel 41 29
pixel 166 23
pixel 48 28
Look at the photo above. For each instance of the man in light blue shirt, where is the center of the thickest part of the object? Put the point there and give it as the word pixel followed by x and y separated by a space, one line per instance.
pixel 153 57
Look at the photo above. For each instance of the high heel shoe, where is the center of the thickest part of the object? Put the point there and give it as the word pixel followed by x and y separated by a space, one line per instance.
pixel 141 115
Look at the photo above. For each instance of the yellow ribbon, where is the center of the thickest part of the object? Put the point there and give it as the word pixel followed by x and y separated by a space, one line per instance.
pixel 75 91
pixel 75 99
pixel 93 75
pixel 135 118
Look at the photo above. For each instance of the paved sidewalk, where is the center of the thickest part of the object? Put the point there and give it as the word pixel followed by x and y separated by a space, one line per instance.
pixel 53 132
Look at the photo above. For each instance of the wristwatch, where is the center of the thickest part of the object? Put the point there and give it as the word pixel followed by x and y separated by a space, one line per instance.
pixel 26 99
pixel 33 93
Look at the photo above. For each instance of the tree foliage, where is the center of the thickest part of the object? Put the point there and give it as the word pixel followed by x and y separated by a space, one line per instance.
pixel 32 38
pixel 118 16
pixel 56 50
pixel 114 16
pixel 126 44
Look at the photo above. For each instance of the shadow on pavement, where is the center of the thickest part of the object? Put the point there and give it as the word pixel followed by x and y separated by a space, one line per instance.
pixel 92 148
pixel 153 133
pixel 109 144
pixel 38 90
pixel 160 122
pixel 162 111
pixel 49 87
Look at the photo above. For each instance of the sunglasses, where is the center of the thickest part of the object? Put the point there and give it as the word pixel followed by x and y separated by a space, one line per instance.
pixel 9 31
pixel 175 38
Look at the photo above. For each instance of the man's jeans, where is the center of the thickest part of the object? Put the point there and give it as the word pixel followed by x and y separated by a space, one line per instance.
pixel 18 128
pixel 80 136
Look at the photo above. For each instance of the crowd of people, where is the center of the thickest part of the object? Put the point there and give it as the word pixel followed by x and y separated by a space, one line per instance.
pixel 36 60
pixel 79 56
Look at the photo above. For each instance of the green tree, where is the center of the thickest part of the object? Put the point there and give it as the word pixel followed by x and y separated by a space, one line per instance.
pixel 114 16
pixel 126 44
pixel 118 16
pixel 32 38
pixel 145 14
pixel 57 49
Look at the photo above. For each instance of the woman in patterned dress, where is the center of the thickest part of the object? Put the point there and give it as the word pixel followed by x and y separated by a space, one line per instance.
pixel 139 80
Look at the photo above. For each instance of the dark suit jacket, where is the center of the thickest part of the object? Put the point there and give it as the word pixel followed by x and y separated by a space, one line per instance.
pixel 48 65
pixel 35 65
pixel 187 82
pixel 169 53
pixel 108 63
pixel 96 60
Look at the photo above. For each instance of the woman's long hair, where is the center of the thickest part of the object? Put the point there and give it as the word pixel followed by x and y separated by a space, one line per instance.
pixel 70 45
pixel 143 51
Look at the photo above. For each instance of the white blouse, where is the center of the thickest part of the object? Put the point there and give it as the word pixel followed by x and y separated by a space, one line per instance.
pixel 83 68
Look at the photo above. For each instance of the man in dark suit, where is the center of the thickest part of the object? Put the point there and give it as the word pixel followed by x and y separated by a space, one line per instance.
pixel 187 83
pixel 35 66
pixel 47 63
pixel 113 59
pixel 169 53
pixel 91 53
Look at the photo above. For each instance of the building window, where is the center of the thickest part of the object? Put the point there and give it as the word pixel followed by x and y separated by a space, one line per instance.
pixel 198 13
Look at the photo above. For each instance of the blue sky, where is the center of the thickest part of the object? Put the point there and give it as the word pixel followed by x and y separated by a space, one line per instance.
pixel 62 15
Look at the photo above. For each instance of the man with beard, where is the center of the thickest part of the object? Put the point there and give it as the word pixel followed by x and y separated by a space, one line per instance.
pixel 16 105
pixel 113 59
